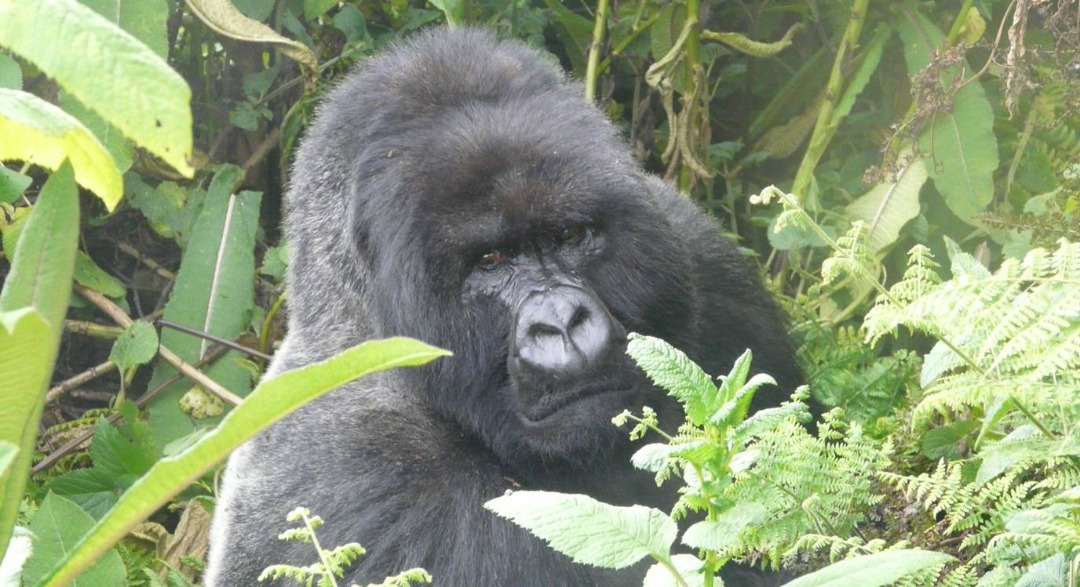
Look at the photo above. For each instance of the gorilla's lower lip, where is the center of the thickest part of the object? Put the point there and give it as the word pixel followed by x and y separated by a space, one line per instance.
pixel 569 401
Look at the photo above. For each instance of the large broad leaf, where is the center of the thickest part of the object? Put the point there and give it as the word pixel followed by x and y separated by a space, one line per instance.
pixel 146 20
pixel 32 308
pixel 57 527
pixel 872 570
pixel 41 133
pixel 271 401
pixel 959 145
pixel 590 531
pixel 214 293
pixel 889 205
pixel 140 95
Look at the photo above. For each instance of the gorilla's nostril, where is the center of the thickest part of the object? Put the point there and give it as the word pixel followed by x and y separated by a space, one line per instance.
pixel 542 330
pixel 581 314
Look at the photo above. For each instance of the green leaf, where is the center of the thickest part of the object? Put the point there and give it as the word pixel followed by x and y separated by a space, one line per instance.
pixel 654 457
pixel 41 133
pixel 33 304
pixel 114 141
pixel 214 293
pixel 158 120
pixel 944 442
pixel 959 145
pixel 453 9
pixel 744 44
pixel 146 20
pixel 869 59
pixel 872 570
pixel 88 274
pixel 726 530
pixel 117 463
pixel 271 401
pixel 57 526
pixel 587 530
pixel 889 205
pixel 10 73
pixel 8 450
pixel 675 373
pixel 315 8
pixel 223 18
pixel 688 565
pixel 136 346
pixel 575 34
pixel 12 184
pixel 45 260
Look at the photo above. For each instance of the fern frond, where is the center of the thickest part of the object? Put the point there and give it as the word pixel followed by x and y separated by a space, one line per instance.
pixel 1015 331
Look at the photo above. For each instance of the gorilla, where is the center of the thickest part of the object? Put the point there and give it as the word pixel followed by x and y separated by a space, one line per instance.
pixel 460 190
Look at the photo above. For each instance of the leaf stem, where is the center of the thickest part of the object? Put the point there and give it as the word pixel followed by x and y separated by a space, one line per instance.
pixel 592 69
pixel 825 127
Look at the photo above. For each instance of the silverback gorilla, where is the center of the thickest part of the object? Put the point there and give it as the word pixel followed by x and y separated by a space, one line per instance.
pixel 459 190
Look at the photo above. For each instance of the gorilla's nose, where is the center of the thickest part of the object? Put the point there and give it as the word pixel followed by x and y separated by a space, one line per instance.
pixel 561 331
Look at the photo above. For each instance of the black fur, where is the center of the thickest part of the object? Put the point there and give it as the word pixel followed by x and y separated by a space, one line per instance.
pixel 419 163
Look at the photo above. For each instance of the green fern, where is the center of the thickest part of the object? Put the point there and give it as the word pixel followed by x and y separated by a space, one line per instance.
pixel 331 563
pixel 1012 334
pixel 1010 529
pixel 810 484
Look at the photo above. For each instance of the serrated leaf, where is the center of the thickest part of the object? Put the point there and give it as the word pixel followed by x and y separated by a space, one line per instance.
pixel 57 527
pixel 136 346
pixel 725 531
pixel 117 463
pixel 654 457
pixel 959 145
pixel 675 373
pixel 40 133
pixel 271 401
pixel 158 120
pixel 734 411
pixel 872 570
pixel 891 204
pixel 767 419
pixel 587 530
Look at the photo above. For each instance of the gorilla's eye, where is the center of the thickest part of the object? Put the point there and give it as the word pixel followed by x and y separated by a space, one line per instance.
pixel 492 259
pixel 574 234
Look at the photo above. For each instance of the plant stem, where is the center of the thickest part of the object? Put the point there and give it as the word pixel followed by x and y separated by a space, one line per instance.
pixel 692 62
pixel 592 69
pixel 621 46
pixel 825 126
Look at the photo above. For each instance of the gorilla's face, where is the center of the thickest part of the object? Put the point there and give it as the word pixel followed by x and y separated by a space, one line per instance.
pixel 536 261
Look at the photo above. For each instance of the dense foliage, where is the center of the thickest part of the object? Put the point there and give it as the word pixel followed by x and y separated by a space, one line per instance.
pixel 923 234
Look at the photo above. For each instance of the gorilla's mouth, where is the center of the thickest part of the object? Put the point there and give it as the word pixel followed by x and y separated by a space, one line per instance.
pixel 551 405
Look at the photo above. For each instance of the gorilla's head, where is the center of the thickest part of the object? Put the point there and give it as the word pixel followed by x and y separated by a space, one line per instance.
pixel 499 216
